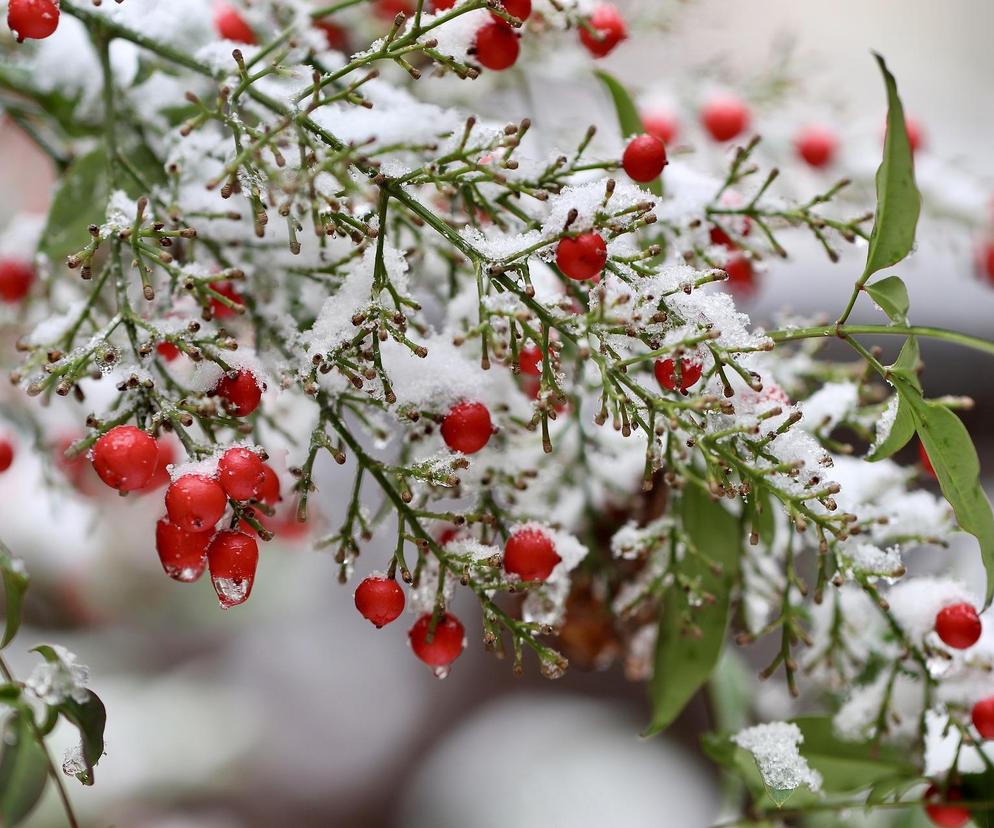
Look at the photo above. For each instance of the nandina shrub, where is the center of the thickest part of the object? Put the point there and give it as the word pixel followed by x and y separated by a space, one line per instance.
pixel 508 351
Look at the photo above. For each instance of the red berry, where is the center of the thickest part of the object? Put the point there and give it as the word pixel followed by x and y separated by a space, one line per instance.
pixel 241 473
pixel 233 558
pixel 644 158
pixel 269 491
pixel 985 261
pixel 336 37
pixel 241 392
pixel 914 130
pixel 741 276
pixel 444 647
pixel 442 5
pixel 661 125
pixel 167 456
pixel 665 370
pixel 231 25
pixel 195 503
pixel 6 454
pixel 15 280
pixel 816 145
pixel 925 461
pixel 983 717
pixel 125 458
pixel 497 46
pixel 227 290
pixel 389 9
pixel 36 19
pixel 945 815
pixel 167 351
pixel 183 554
pixel 582 258
pixel 608 30
pixel 379 600
pixel 530 360
pixel 530 554
pixel 520 9
pixel 467 427
pixel 958 626
pixel 724 118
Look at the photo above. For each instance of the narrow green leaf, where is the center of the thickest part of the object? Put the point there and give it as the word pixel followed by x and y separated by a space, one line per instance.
pixel 23 770
pixel 898 199
pixel 685 660
pixel 629 119
pixel 892 295
pixel 90 718
pixel 954 458
pixel 79 202
pixel 15 584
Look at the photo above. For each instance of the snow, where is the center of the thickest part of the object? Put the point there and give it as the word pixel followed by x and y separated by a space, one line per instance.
pixel 54 682
pixel 775 746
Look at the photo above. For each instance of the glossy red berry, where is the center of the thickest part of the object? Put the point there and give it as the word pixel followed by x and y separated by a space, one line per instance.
pixel 665 371
pixel 219 309
pixel 167 456
pixel 816 146
pixel 925 461
pixel 389 9
pixel 958 626
pixel 16 278
pixel 467 427
pixel 167 351
pixel 661 125
pixel 125 458
pixel 604 30
pixel 6 454
pixel 941 812
pixel 725 118
pixel 497 46
pixel 741 275
pixel 644 158
pixel 335 36
pixel 241 392
pixel 230 25
pixel 183 554
pixel 530 360
pixel 520 9
pixel 983 717
pixel 379 600
pixel 233 558
pixel 583 257
pixel 241 473
pixel 195 503
pixel 269 491
pixel 530 554
pixel 36 19
pixel 442 648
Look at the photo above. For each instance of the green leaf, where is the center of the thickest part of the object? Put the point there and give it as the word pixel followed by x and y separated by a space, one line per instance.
pixel 90 718
pixel 954 458
pixel 684 661
pixel 629 119
pixel 901 432
pixel 15 584
pixel 80 201
pixel 23 770
pixel 898 199
pixel 731 692
pixel 892 295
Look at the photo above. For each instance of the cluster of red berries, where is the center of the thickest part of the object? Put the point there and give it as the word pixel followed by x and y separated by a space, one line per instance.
pixel 529 554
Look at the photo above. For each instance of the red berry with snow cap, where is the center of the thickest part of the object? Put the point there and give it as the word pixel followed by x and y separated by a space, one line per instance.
pixel 16 278
pixel 467 427
pixel 444 646
pixel 530 554
pixel 665 371
pixel 183 554
pixel 958 626
pixel 644 158
pixel 6 454
pixel 35 19
pixel 231 25
pixel 583 257
pixel 125 458
pixel 816 146
pixel 497 46
pixel 941 811
pixel 983 717
pixel 241 391
pixel 379 600
pixel 603 30
pixel 233 558
pixel 725 118
pixel 195 503
pixel 241 473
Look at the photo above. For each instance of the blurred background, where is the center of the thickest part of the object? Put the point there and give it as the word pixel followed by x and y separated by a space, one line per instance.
pixel 294 711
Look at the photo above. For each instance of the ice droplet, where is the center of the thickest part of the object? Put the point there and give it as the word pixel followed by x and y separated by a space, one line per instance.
pixel 73 763
pixel 440 672
pixel 184 574
pixel 232 591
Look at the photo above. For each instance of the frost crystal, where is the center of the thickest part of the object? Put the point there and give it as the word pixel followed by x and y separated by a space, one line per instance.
pixel 775 747
pixel 53 682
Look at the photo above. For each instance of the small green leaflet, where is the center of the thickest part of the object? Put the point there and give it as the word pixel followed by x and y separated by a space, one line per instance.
pixel 892 295
pixel 629 119
pixel 898 199
pixel 683 661
pixel 23 770
pixel 15 584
